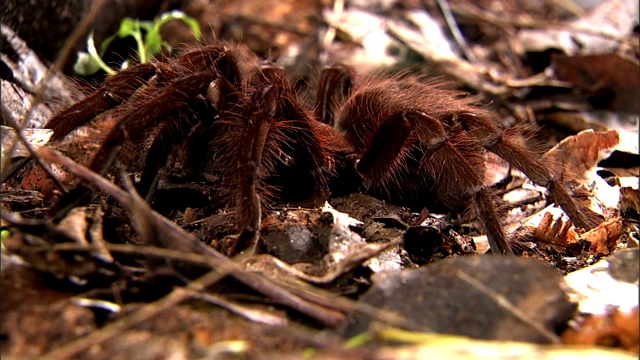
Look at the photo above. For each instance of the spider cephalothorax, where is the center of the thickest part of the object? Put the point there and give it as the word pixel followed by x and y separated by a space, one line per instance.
pixel 404 138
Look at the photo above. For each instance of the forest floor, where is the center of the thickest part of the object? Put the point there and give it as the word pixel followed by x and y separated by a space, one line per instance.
pixel 345 275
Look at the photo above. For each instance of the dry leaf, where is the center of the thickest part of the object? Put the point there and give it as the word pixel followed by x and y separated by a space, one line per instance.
pixel 603 239
pixel 604 75
pixel 599 31
pixel 558 230
pixel 555 231
pixel 574 156
pixel 619 328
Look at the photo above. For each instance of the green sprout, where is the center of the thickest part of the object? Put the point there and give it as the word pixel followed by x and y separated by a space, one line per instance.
pixel 358 340
pixel 147 37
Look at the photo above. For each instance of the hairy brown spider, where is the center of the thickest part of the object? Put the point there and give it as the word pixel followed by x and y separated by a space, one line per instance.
pixel 405 138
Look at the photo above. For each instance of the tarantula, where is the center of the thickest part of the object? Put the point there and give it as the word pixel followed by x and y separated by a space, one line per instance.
pixel 405 138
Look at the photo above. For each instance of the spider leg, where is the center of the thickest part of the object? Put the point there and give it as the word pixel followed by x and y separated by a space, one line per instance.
pixel 312 144
pixel 176 96
pixel 452 160
pixel 116 89
pixel 170 133
pixel 256 120
pixel 494 140
pixel 275 145
pixel 335 85
pixel 214 57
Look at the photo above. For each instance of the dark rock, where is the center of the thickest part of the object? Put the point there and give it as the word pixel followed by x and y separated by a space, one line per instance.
pixel 467 296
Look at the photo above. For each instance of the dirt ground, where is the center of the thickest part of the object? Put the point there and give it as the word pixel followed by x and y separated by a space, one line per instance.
pixel 350 272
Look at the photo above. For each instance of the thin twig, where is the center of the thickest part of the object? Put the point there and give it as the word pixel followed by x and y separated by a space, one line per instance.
pixel 455 30
pixel 173 237
pixel 63 56
pixel 254 315
pixel 329 36
pixel 308 293
pixel 144 313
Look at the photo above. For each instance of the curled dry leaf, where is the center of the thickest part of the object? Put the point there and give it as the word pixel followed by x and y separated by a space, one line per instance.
pixel 617 329
pixel 574 160
pixel 603 239
pixel 559 231
pixel 36 137
pixel 555 231
pixel 367 30
pixel 574 156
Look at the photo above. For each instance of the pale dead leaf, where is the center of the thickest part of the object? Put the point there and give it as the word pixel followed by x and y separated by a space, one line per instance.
pixel 601 30
pixel 574 156
pixel 602 330
pixel 75 225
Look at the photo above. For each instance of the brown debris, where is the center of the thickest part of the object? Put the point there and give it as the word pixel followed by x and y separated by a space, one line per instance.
pixel 148 268
pixel 618 329
pixel 604 238
pixel 555 231
pixel 603 76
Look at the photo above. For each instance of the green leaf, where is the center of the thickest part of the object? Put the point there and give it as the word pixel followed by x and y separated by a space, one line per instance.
pixel 357 341
pixel 85 64
pixel 194 25
pixel 167 47
pixel 149 45
pixel 153 42
pixel 128 27
pixel 147 25
pixel 179 15
pixel 93 59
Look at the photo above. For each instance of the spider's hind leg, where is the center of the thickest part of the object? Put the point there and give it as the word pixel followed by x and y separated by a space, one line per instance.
pixel 452 161
pixel 496 141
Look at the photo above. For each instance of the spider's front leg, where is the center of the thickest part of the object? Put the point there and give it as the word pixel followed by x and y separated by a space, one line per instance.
pixel 174 97
pixel 248 204
pixel 180 124
pixel 117 89
pixel 248 121
pixel 452 160
pixel 269 149
pixel 335 85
